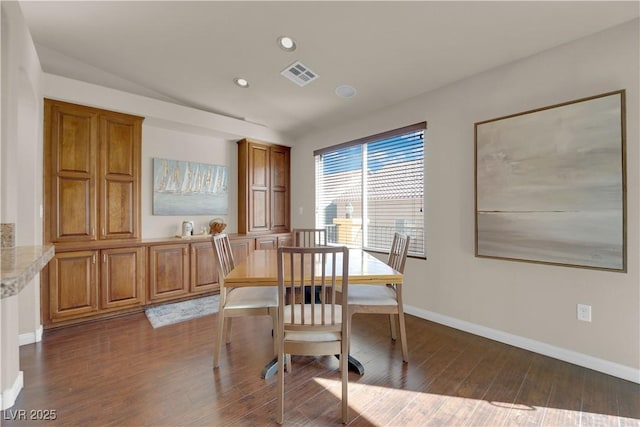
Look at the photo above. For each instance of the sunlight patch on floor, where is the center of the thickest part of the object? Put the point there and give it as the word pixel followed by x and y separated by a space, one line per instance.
pixel 518 413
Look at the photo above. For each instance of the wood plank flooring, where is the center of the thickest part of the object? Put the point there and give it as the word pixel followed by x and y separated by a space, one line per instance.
pixel 122 372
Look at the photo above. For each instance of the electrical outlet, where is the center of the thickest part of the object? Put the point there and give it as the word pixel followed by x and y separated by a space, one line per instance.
pixel 584 312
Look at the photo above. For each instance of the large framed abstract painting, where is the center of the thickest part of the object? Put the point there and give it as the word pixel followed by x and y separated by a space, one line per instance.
pixel 550 185
pixel 189 188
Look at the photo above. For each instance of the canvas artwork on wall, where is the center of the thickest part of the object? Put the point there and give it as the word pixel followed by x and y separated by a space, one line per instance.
pixel 550 184
pixel 189 188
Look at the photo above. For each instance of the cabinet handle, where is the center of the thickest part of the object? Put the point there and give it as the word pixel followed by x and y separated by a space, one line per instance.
pixel 104 258
pixel 93 258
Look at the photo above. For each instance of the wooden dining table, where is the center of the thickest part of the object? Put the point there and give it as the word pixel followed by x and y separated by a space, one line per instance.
pixel 260 268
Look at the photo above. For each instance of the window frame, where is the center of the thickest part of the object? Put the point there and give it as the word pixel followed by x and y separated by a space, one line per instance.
pixel 417 127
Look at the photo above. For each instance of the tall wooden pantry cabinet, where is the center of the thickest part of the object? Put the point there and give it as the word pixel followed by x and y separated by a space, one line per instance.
pixel 263 187
pixel 91 197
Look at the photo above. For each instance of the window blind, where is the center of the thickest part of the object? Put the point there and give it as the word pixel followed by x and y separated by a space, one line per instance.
pixel 372 187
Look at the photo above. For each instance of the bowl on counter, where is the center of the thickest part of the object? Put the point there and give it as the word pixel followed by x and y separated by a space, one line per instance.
pixel 216 226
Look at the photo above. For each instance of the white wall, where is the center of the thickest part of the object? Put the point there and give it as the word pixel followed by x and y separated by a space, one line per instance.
pixel 21 128
pixel 176 145
pixel 22 149
pixel 530 305
pixel 21 185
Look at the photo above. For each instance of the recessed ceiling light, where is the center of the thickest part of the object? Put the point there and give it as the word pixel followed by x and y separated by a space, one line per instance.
pixel 345 91
pixel 286 43
pixel 241 82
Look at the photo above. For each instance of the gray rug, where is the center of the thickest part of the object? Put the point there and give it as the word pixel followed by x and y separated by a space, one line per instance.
pixel 168 314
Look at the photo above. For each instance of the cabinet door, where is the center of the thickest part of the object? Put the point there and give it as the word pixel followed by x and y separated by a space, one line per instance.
pixel 120 137
pixel 73 282
pixel 263 187
pixel 285 240
pixel 258 171
pixel 168 271
pixel 267 242
pixel 71 135
pixel 204 274
pixel 122 277
pixel 241 247
pixel 279 197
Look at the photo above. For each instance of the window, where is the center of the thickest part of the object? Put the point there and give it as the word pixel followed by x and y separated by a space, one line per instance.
pixel 369 188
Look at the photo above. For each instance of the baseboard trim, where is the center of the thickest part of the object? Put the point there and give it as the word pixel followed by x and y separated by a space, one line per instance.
pixel 31 337
pixel 600 365
pixel 9 396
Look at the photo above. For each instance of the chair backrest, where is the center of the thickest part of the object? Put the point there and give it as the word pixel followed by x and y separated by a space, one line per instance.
pixel 318 268
pixel 398 252
pixel 224 255
pixel 309 237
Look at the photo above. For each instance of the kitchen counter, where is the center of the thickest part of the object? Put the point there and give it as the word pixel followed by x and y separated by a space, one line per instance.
pixel 19 265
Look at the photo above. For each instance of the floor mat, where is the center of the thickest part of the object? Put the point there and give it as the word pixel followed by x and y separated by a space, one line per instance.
pixel 168 314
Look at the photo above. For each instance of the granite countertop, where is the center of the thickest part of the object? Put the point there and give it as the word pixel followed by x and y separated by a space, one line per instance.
pixel 19 265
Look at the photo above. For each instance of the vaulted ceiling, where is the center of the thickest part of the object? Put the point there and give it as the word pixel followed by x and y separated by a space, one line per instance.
pixel 389 51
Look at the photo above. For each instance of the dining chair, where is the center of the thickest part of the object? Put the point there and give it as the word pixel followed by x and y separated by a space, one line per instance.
pixel 384 299
pixel 238 301
pixel 312 328
pixel 309 237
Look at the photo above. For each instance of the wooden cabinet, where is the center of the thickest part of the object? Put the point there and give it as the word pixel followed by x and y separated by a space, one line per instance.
pixel 119 172
pixel 285 240
pixel 274 241
pixel 204 274
pixel 267 242
pixel 168 271
pixel 86 283
pixel 122 277
pixel 110 279
pixel 70 153
pixel 73 278
pixel 91 196
pixel 241 247
pixel 92 173
pixel 279 161
pixel 263 187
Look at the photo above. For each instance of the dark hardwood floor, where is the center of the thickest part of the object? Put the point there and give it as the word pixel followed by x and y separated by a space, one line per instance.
pixel 122 372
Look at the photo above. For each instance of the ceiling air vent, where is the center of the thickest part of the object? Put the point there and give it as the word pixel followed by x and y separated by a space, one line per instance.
pixel 299 73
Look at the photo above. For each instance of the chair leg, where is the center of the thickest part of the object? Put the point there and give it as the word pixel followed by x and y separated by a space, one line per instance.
pixel 349 320
pixel 403 336
pixel 227 332
pixel 280 407
pixel 344 373
pixel 273 312
pixel 219 340
pixel 392 326
pixel 403 330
